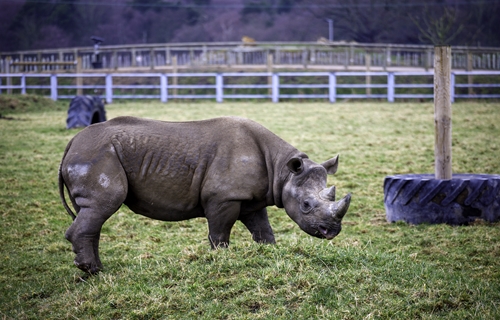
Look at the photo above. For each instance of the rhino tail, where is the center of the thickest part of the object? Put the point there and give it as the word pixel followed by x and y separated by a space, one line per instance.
pixel 62 185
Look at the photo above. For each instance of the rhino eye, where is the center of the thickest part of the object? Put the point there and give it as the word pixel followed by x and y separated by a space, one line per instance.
pixel 306 206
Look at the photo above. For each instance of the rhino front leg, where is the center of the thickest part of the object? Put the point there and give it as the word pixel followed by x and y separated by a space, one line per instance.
pixel 221 218
pixel 258 224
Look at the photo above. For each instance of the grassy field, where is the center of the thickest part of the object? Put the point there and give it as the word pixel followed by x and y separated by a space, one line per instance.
pixel 159 270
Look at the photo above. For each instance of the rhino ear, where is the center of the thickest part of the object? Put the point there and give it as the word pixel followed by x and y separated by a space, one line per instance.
pixel 295 165
pixel 331 165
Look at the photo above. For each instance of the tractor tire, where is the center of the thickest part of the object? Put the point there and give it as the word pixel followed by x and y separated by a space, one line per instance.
pixel 420 198
pixel 84 111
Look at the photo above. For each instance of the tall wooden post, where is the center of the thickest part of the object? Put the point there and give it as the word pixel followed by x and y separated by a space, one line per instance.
pixel 442 112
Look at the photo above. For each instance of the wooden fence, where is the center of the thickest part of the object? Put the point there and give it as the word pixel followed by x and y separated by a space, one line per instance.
pixel 329 86
pixel 238 56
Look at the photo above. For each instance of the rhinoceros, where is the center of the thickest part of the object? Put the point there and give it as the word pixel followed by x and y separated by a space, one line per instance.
pixel 224 169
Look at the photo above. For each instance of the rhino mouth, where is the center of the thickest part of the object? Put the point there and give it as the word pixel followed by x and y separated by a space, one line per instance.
pixel 328 234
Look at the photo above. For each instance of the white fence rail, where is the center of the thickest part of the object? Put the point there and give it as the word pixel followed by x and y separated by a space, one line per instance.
pixel 329 86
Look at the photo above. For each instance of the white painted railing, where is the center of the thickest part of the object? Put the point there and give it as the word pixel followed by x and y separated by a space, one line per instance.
pixel 329 86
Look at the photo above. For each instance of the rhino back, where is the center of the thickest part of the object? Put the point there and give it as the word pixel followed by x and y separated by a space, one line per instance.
pixel 174 168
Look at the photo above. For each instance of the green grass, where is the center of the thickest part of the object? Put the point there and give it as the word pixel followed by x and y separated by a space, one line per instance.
pixel 159 270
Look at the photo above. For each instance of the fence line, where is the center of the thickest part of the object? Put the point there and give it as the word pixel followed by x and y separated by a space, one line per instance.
pixel 307 55
pixel 329 86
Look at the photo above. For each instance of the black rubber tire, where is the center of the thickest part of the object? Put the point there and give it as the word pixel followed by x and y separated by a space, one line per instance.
pixel 420 198
pixel 84 111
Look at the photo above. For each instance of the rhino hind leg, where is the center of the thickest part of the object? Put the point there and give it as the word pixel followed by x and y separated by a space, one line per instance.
pixel 84 235
pixel 85 231
pixel 258 224
pixel 96 193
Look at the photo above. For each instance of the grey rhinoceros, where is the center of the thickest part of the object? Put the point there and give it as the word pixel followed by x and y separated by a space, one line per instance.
pixel 223 169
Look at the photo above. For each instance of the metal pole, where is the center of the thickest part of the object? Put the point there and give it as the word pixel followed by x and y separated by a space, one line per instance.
pixel 330 29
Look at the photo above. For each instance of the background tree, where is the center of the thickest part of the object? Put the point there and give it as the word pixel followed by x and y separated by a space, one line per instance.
pixel 36 24
pixel 438 28
pixel 365 21
pixel 482 24
pixel 29 22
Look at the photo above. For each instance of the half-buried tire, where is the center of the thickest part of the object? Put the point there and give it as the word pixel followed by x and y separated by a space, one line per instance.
pixel 420 198
pixel 84 111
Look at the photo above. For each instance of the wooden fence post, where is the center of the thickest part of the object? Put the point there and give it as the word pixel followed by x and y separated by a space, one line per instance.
pixel 60 57
pixel 114 64
pixel 79 80
pixel 304 58
pixel 351 56
pixel 174 78
pixel 368 62
pixel 442 112
pixel 428 60
pixel 38 59
pixel 8 62
pixel 270 71
pixel 386 57
pixel 152 59
pixel 133 58
pixel 470 79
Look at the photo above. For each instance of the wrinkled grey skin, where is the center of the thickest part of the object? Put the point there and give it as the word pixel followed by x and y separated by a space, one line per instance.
pixel 224 169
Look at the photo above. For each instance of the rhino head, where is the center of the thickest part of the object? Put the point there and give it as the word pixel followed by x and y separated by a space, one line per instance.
pixel 309 202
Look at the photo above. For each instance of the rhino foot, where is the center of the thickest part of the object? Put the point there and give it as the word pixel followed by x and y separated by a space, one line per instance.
pixel 90 268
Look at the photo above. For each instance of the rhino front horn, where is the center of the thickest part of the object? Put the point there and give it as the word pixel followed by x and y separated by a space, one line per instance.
pixel 339 209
